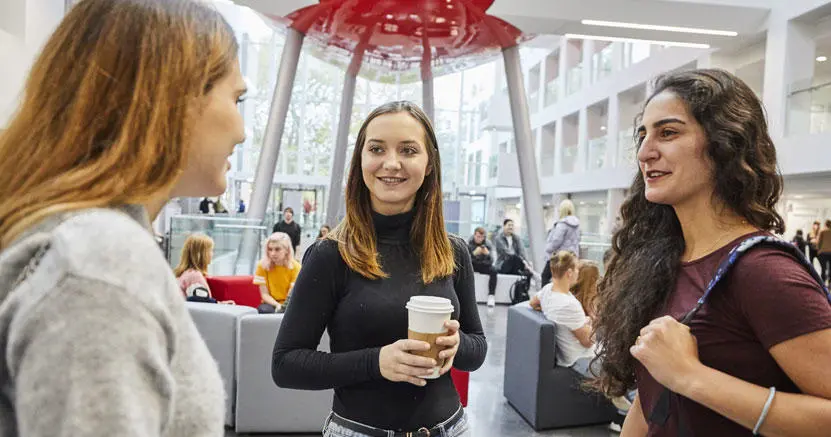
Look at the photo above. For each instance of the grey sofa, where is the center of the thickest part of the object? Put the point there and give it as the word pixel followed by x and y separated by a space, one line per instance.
pixel 261 405
pixel 545 395
pixel 241 341
pixel 218 326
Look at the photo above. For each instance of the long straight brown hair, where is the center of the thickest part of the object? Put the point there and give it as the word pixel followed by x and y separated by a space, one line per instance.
pixel 356 235
pixel 196 254
pixel 107 108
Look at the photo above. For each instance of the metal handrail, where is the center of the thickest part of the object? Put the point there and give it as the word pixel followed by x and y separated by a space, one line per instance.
pixel 811 88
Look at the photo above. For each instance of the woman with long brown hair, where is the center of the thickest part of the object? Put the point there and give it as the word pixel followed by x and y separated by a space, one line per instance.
pixel 130 103
pixel 755 358
pixel 354 284
pixel 585 290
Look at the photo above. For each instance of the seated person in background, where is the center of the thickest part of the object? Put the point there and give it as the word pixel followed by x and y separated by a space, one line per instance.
pixel 197 253
pixel 482 255
pixel 575 343
pixel 276 272
pixel 585 290
pixel 561 307
pixel 510 253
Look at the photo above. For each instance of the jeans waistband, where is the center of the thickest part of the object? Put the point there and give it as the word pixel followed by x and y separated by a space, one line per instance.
pixel 435 431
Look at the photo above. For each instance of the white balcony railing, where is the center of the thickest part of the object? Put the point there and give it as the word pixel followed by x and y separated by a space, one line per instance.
pixel 809 110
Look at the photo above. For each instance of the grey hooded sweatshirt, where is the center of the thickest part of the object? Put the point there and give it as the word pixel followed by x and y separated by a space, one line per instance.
pixel 96 341
pixel 565 235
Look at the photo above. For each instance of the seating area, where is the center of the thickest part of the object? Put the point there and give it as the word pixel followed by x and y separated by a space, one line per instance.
pixel 242 341
pixel 503 287
pixel 545 395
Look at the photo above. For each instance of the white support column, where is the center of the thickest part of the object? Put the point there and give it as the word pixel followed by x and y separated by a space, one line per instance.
pixel 341 144
pixel 613 131
pixel 562 84
pixel 617 56
pixel 558 146
pixel 588 68
pixel 582 141
pixel 531 197
pixel 270 150
pixel 541 89
pixel 789 66
pixel 614 199
pixel 428 98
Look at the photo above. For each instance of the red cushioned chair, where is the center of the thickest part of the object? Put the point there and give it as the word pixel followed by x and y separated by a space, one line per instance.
pixel 240 289
pixel 461 381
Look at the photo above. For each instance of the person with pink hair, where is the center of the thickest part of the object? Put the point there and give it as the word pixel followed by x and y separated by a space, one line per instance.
pixel 276 272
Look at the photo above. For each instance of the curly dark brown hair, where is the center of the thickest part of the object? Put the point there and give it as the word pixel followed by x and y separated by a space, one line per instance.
pixel 649 244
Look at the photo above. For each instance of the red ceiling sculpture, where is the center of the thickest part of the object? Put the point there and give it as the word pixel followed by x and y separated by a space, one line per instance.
pixel 402 35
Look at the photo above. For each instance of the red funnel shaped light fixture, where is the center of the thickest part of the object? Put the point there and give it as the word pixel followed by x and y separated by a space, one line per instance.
pixel 402 35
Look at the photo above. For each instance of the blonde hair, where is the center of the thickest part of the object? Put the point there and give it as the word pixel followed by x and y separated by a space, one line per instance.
pixel 355 234
pixel 561 262
pixel 566 208
pixel 196 254
pixel 282 239
pixel 585 290
pixel 106 111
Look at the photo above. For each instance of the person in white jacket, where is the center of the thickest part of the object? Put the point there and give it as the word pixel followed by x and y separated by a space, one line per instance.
pixel 564 235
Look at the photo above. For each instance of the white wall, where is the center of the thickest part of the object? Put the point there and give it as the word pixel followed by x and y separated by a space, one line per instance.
pixel 25 25
pixel 12 72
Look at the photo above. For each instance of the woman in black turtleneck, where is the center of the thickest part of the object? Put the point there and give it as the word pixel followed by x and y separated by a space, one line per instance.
pixel 355 283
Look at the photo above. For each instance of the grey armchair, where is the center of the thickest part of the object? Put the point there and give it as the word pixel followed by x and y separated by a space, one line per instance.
pixel 545 395
pixel 261 405
pixel 217 324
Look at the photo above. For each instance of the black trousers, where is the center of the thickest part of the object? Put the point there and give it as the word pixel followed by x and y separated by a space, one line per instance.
pixel 490 270
pixel 513 265
pixel 545 275
pixel 825 262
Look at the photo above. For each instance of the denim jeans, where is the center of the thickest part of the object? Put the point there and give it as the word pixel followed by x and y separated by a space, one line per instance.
pixel 459 429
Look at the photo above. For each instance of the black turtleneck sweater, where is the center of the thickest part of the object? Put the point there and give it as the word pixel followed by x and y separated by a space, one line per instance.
pixel 363 315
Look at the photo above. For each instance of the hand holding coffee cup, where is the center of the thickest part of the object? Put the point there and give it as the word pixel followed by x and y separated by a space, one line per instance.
pixel 451 345
pixel 399 362
pixel 429 321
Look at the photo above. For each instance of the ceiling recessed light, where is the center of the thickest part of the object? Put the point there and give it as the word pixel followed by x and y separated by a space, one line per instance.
pixel 449 6
pixel 603 128
pixel 677 29
pixel 636 40
pixel 440 20
pixel 389 16
pixel 822 58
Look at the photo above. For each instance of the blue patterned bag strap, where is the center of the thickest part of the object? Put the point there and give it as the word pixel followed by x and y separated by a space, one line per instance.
pixel 741 249
pixel 661 411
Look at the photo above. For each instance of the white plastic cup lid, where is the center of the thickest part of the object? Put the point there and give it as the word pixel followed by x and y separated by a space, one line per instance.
pixel 430 304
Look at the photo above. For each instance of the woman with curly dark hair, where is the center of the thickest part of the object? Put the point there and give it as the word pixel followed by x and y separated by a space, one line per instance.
pixel 708 180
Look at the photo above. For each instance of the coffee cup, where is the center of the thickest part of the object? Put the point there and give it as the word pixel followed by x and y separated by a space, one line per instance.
pixel 426 317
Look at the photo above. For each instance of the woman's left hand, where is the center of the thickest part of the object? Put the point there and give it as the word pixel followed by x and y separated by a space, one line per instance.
pixel 451 343
pixel 668 351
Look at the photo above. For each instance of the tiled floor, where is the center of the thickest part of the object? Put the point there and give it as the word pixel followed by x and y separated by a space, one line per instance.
pixel 489 412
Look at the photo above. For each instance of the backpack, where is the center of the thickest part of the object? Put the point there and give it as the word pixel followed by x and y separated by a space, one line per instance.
pixel 519 290
pixel 198 293
pixel 660 413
